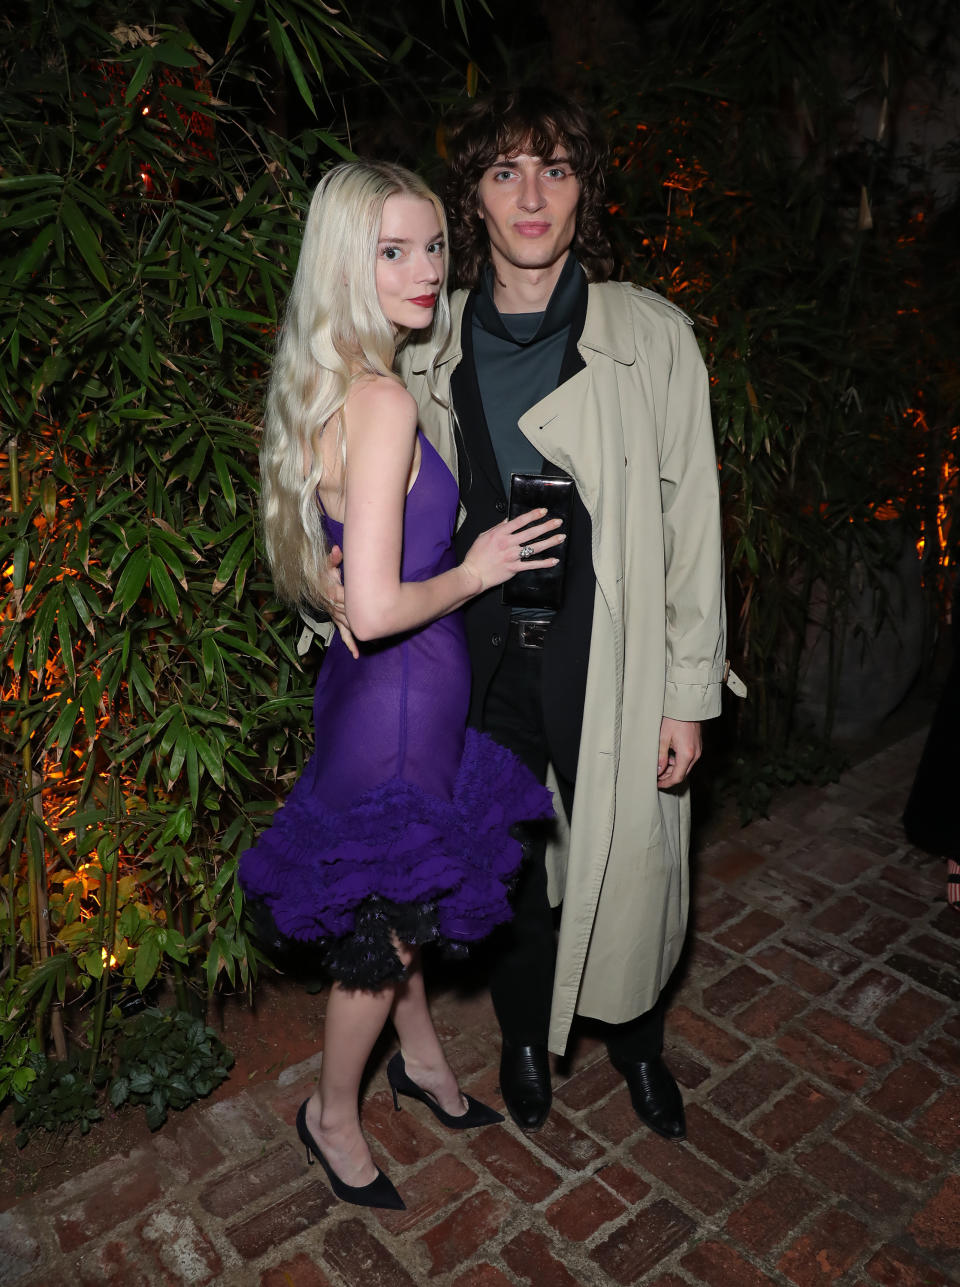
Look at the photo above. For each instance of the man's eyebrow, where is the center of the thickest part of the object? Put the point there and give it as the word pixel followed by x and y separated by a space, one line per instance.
pixel 559 159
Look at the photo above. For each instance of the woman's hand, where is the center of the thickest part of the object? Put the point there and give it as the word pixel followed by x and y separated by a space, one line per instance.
pixel 333 599
pixel 495 556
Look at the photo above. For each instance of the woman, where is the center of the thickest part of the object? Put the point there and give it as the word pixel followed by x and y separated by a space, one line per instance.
pixel 397 833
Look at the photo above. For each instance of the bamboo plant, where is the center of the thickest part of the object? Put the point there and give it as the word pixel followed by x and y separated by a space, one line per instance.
pixel 152 693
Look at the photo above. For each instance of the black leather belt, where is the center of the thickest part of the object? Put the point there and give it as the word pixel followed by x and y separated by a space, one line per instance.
pixel 529 633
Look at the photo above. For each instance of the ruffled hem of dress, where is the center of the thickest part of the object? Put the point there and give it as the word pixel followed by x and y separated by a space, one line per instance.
pixel 398 861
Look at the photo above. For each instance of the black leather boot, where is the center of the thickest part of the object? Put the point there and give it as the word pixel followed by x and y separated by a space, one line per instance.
pixel 525 1084
pixel 655 1096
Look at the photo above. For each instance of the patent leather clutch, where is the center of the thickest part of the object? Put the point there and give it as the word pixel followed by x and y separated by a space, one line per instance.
pixel 540 587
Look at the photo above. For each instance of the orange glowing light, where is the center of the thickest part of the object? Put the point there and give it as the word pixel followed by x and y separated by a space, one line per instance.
pixel 103 956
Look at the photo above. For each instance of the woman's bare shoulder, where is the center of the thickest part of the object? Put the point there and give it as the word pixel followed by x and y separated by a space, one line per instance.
pixel 375 399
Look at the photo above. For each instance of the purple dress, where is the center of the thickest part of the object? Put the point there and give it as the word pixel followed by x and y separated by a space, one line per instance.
pixel 401 821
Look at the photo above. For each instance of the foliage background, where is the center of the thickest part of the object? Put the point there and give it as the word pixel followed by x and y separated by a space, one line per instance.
pixel 154 166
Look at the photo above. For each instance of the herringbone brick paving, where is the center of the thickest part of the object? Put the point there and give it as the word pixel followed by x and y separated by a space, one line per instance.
pixel 816 1035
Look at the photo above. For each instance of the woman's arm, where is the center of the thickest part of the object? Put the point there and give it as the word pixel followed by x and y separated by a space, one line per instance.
pixel 381 423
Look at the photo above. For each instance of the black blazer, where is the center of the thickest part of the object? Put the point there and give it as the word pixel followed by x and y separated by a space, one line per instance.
pixel 567 648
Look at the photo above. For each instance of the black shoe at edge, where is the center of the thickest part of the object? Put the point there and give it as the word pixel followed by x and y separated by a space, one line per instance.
pixel 401 1083
pixel 525 1084
pixel 378 1193
pixel 655 1096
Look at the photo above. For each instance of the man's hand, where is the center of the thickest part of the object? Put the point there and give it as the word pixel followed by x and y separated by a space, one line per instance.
pixel 680 748
pixel 334 599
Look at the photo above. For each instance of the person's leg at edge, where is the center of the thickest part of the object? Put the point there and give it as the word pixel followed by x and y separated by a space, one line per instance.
pixel 353 1022
pixel 423 1056
pixel 636 1051
pixel 523 953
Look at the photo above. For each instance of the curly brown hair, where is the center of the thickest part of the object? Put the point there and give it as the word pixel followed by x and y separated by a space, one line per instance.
pixel 542 123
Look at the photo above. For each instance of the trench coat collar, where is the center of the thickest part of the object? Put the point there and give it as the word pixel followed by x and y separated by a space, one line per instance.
pixel 608 329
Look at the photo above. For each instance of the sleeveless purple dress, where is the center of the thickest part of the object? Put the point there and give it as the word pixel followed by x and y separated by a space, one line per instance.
pixel 401 821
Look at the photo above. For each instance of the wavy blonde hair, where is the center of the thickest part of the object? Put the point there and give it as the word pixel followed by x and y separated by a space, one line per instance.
pixel 334 331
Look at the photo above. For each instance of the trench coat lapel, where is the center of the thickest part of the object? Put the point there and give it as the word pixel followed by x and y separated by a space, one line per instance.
pixel 561 424
pixel 465 390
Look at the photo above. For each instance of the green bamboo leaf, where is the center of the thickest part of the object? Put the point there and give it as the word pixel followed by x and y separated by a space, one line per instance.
pixel 140 680
pixel 212 761
pixel 401 51
pixel 226 482
pixel 231 559
pixel 20 183
pixel 170 719
pixel 31 259
pixel 211 656
pixel 164 587
pixel 66 642
pixel 193 768
pixel 241 18
pixel 171 556
pixel 198 458
pixel 178 756
pixel 84 238
pixel 13 819
pixel 21 562
pixel 336 146
pixel 228 954
pixel 174 54
pixel 228 640
pixel 286 54
pixel 213 965
pixel 61 735
pixel 90 700
pixel 132 580
pixel 44 623
pixel 140 75
pixel 240 579
pixel 147 959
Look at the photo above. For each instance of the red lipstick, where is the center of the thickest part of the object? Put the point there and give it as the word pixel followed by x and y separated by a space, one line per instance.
pixel 424 301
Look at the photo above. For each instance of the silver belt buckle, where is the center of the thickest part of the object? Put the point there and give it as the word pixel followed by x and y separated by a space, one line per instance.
pixel 532 633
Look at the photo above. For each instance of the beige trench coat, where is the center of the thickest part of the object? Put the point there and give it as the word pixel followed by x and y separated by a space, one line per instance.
pixel 633 430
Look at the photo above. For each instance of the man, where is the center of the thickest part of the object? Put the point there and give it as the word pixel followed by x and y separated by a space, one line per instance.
pixel 552 368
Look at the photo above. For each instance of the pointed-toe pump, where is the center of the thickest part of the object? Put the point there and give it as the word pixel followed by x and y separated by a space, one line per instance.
pixel 477 1114
pixel 378 1193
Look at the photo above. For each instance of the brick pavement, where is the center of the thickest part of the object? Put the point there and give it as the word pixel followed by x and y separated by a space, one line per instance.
pixel 816 1034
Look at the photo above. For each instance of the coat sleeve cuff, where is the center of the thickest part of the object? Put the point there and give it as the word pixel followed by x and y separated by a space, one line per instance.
pixel 692 696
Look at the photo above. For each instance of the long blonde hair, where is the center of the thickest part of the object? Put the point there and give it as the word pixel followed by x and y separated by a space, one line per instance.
pixel 334 332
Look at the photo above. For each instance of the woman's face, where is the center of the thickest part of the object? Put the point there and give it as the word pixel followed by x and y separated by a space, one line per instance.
pixel 409 261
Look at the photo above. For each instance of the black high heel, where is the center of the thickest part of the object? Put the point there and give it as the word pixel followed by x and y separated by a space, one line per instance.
pixel 378 1193
pixel 477 1114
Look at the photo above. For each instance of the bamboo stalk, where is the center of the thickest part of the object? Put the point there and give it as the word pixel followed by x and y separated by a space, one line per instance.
pixel 109 865
pixel 39 907
pixel 179 986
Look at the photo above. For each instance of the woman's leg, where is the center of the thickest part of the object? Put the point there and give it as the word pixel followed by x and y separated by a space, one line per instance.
pixel 353 1022
pixel 423 1056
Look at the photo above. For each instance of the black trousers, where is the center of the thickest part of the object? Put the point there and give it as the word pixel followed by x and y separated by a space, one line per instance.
pixel 523 953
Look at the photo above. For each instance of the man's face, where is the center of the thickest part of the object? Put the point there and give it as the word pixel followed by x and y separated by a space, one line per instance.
pixel 529 204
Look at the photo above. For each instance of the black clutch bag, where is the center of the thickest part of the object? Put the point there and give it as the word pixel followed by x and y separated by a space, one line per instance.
pixel 541 587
